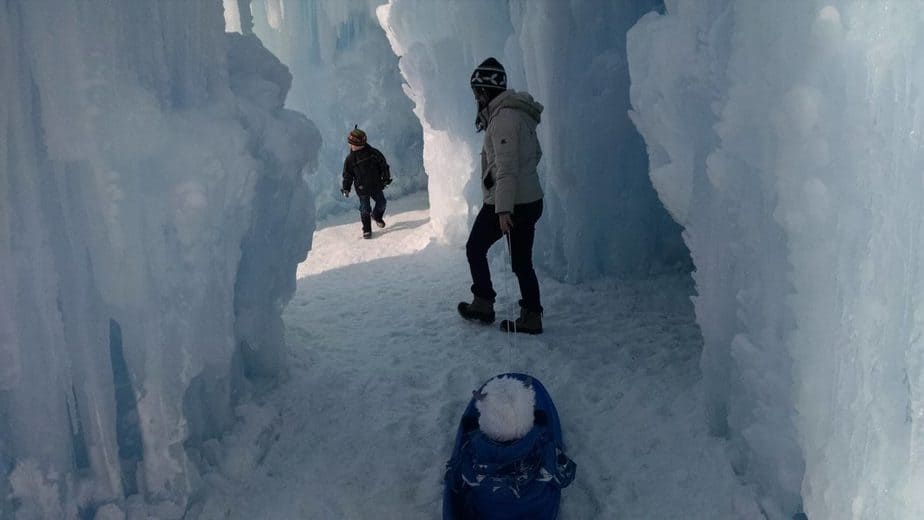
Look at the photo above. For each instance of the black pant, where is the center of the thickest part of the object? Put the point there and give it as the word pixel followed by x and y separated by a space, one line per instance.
pixel 486 231
pixel 366 211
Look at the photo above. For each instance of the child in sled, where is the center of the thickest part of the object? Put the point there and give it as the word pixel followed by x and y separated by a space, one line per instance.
pixel 508 461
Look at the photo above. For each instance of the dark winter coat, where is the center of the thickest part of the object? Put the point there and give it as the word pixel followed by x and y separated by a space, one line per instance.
pixel 367 169
pixel 489 480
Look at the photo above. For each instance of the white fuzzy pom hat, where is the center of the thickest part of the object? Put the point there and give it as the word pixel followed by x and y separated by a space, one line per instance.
pixel 506 406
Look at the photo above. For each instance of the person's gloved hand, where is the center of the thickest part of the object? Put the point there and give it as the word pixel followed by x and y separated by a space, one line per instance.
pixel 386 181
pixel 346 193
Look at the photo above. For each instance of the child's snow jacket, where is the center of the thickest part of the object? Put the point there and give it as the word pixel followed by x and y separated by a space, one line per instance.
pixel 367 169
pixel 489 480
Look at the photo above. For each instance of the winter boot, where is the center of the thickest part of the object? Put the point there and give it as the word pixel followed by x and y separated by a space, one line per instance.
pixel 529 322
pixel 481 309
pixel 379 221
pixel 367 234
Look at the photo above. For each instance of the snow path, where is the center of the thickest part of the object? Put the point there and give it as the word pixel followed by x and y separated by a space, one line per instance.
pixel 382 367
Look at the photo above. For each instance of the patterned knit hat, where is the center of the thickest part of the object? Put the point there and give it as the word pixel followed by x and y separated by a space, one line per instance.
pixel 357 137
pixel 490 75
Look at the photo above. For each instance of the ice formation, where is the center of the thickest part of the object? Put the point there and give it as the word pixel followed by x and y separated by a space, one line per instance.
pixel 152 212
pixel 785 138
pixel 601 217
pixel 154 202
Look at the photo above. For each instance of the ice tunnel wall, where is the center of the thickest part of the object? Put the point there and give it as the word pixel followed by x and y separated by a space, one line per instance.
pixel 144 153
pixel 344 74
pixel 786 138
pixel 601 214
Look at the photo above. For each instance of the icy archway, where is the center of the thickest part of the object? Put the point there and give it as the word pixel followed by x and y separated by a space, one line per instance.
pixel 344 74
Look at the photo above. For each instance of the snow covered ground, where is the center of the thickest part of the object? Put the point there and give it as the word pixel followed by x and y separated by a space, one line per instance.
pixel 382 366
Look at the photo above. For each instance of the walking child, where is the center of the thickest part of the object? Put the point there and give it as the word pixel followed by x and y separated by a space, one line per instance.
pixel 366 169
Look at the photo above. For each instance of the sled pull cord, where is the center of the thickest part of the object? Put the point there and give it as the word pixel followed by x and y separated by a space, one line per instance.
pixel 511 323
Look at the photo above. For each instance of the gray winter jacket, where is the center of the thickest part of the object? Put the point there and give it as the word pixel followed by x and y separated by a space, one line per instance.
pixel 511 151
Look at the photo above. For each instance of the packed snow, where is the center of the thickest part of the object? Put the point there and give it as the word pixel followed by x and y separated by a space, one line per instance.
pixel 382 368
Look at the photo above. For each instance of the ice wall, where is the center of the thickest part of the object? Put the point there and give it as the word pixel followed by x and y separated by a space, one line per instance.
pixel 344 74
pixel 601 214
pixel 785 138
pixel 439 43
pixel 143 152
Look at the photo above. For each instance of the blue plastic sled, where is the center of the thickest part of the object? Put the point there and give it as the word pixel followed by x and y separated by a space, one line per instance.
pixel 489 480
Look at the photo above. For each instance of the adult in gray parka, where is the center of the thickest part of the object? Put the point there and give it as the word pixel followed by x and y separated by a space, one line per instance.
pixel 512 195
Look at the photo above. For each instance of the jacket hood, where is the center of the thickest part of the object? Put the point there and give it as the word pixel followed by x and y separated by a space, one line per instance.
pixel 492 454
pixel 521 101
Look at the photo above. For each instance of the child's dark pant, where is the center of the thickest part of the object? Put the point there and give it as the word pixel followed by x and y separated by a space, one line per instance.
pixel 366 213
